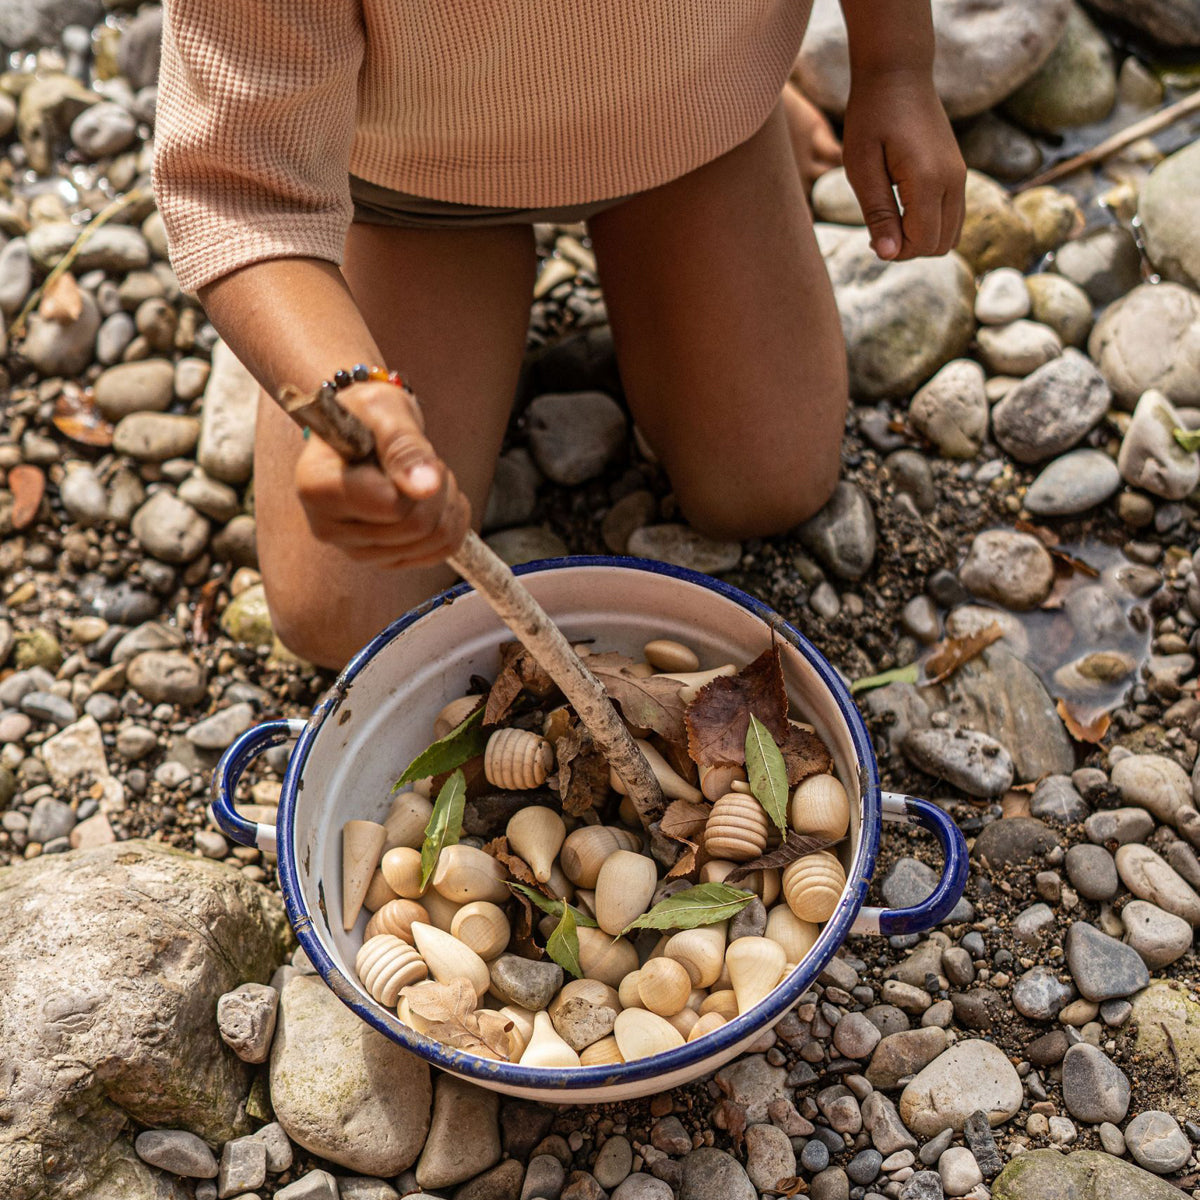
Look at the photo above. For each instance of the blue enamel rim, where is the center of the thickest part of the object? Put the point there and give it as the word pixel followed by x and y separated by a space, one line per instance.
pixel 935 908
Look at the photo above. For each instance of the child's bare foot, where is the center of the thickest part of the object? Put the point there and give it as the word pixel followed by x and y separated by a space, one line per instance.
pixel 814 143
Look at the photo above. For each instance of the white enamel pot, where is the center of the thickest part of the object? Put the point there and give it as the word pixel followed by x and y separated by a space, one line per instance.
pixel 378 716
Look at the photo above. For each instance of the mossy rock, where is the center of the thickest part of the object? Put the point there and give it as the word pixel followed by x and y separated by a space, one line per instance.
pixel 1083 1175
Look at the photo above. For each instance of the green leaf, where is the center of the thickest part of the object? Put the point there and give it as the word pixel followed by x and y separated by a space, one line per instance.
pixel 563 945
pixel 464 741
pixel 704 904
pixel 909 674
pixel 445 823
pixel 767 771
pixel 1189 439
pixel 553 907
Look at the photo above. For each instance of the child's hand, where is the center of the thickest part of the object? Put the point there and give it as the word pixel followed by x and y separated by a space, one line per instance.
pixel 404 511
pixel 896 132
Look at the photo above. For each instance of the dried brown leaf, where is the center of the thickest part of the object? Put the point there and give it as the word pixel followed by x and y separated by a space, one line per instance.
pixel 794 846
pixel 516 866
pixel 1084 725
pixel 684 819
pixel 476 780
pixel 804 754
pixel 718 718
pixel 1063 558
pixel 730 1116
pixel 791 1185
pixel 951 654
pixel 519 672
pixel 77 417
pixel 203 615
pixel 62 301
pixel 588 788
pixel 434 1001
pixel 28 486
pixel 522 939
pixel 649 703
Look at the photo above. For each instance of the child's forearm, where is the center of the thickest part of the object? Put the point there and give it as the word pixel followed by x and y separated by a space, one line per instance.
pixel 888 35
pixel 290 320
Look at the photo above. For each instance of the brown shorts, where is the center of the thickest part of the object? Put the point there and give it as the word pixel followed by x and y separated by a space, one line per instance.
pixel 375 205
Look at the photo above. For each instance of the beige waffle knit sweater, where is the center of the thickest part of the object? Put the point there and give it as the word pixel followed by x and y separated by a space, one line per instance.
pixel 266 106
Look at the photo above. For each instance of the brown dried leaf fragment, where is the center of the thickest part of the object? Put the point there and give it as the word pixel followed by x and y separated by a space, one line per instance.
pixel 951 654
pixel 434 1001
pixel 794 846
pixel 1084 725
pixel 522 939
pixel 516 866
pixel 62 301
pixel 684 822
pixel 455 1020
pixel 650 703
pixel 28 485
pixel 77 417
pixel 718 718
pixel 519 672
pixel 804 754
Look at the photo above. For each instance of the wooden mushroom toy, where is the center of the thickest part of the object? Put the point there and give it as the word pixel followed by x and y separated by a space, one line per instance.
pixel 454 714
pixel 545 1048
pixel 517 759
pixel 663 654
pixel 705 1024
pixel 537 833
pixel 601 1054
pixel 362 844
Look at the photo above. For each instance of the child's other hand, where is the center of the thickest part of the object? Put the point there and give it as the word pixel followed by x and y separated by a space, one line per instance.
pixel 405 510
pixel 896 132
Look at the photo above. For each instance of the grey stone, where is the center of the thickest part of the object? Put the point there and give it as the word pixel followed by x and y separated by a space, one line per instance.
pixel 973 762
pixel 315 1185
pixel 1018 348
pixel 1062 305
pixel 854 1036
pixel 544 1178
pixel 1157 1143
pixel 615 1161
pixel 909 881
pixel 210 497
pixel 102 130
pixel 503 1182
pixel 640 1186
pixel 83 496
pixel 752 1083
pixel 138 49
pixel 769 1157
pixel 167 677
pixel 977 1132
pixel 1002 297
pixel 1050 410
pixel 842 535
pixel 972 1074
pixel 48 708
pixel 882 1122
pixel 711 1174
pixel 958 1171
pixel 116 248
pixel 16 276
pixel 1150 457
pixel 1055 799
pixel 1092 871
pixel 226 447
pixel 342 1090
pixel 902 1054
pixel 246 1019
pixel 169 529
pixel 279 1149
pixel 951 410
pixel 54 349
pixel 1009 568
pixel 1104 262
pixel 1148 877
pixel 997 148
pixel 1080 1175
pixel 1095 1089
pixel 123 942
pixel 155 437
pixel 683 546
pixel 34 25
pixel 449 1157
pixel 1120 825
pixel 525 983
pixel 1012 841
pixel 1156 783
pixel 243 1167
pixel 1159 937
pixel 218 731
pixel 1170 214
pixel 574 436
pixel 177 1151
pixel 1073 484
pixel 1040 995
pixel 513 496
pixel 50 819
pixel 525 544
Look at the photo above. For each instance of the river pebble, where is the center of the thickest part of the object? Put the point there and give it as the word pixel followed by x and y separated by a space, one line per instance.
pixel 1156 1142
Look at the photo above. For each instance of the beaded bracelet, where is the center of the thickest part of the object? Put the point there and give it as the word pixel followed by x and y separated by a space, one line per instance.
pixel 359 373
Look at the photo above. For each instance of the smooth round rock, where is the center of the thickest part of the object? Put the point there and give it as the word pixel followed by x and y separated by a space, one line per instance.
pixel 1148 877
pixel 1156 783
pixel 1169 208
pixel 971 761
pixel 1104 262
pixel 711 1174
pixel 102 130
pixel 575 435
pixel 1092 872
pixel 1157 1143
pixel 843 534
pixel 1017 348
pixel 970 1076
pixel 1158 936
pixel 1040 995
pixel 1009 568
pixel 683 546
pixel 1074 483
pixel 1095 1089
pixel 1062 305
pixel 169 529
pixel 1002 297
pixel 1150 458
pixel 951 410
pixel 146 386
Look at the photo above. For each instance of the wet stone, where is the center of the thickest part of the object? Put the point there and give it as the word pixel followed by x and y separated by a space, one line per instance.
pixel 974 762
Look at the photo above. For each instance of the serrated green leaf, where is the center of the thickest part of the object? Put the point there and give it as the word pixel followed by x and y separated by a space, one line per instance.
pixel 704 904
pixel 553 907
pixel 464 741
pixel 1189 439
pixel 768 772
pixel 445 824
pixel 563 945
pixel 908 674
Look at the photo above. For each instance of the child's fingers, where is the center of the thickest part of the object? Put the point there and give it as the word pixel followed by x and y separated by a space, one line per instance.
pixel 873 187
pixel 952 219
pixel 922 223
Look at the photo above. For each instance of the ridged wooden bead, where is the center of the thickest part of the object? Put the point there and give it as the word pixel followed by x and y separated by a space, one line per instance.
pixel 465 873
pixel 641 1033
pixel 517 759
pixel 664 986
pixel 401 868
pixel 820 807
pixel 755 967
pixel 813 885
pixel 603 1053
pixel 406 821
pixel 585 849
pixel 604 957
pixel 700 951
pixel 483 927
pixel 454 714
pixel 797 937
pixel 546 1048
pixel 708 1022
pixel 396 917
pixel 385 964
pixel 537 833
pixel 736 828
pixel 449 959
pixel 624 888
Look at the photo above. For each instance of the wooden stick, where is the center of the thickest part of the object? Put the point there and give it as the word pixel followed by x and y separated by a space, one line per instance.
pixel 1118 141
pixel 512 602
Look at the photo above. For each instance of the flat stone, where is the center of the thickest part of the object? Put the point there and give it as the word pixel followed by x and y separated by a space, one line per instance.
pixel 769 1157
pixel 526 543
pixel 77 750
pixel 449 1157
pixel 1102 967
pixel 842 535
pixel 1159 937
pixel 226 446
pixel 683 546
pixel 62 350
pixel 1167 1021
pixel 314 1185
pixel 501 1182
pixel 167 677
pixel 1080 1175
pixel 1150 457
pixel 524 982
pixel 113 247
pixel 1157 1143
pixel 972 1074
pixel 1012 841
pixel 50 819
pixel 574 436
pixel 1017 349
pixel 177 1151
pixel 1074 483
pixel 910 881
pixel 218 731
pixel 958 1170
pixel 243 1167
pixel 640 1186
pixel 1093 872
pixel 1156 783
pixel 135 387
pixel 154 437
pixel 1040 995
pixel 1148 877
pixel 1120 825
pixel 971 761
pixel 169 529
pixel 711 1174
pixel 83 496
pixel 977 1132
pixel 882 1121
pixel 951 410
pixel 904 1053
pixel 753 1084
pixel 279 1149
pixel 1104 262
pixel 513 496
pixel 1095 1089
pixel 1009 568
pixel 246 1019
pixel 1061 304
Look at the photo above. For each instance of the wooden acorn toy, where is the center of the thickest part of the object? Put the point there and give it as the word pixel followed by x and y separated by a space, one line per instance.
pixel 813 885
pixel 641 1033
pixel 449 959
pixel 585 849
pixel 664 987
pixel 406 821
pixel 396 917
pixel 700 951
pixel 482 926
pixel 517 759
pixel 736 828
pixel 755 967
pixel 465 873
pixel 362 844
pixel 385 964
pixel 545 1048
pixel 537 833
pixel 820 807
pixel 624 888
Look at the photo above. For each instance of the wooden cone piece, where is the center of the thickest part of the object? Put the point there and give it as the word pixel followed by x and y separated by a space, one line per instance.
pixel 512 602
pixel 362 844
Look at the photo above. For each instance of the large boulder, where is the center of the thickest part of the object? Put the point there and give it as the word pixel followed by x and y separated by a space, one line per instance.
pixel 1081 1175
pixel 111 964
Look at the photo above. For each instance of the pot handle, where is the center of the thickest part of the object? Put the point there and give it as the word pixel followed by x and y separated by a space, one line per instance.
pixel 939 904
pixel 229 770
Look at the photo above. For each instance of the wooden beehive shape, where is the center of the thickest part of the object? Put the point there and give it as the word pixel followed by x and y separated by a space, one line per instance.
pixel 641 1033
pixel 736 828
pixel 820 807
pixel 483 927
pixel 755 967
pixel 396 917
pixel 700 951
pixel 385 964
pixel 624 888
pixel 545 1048
pixel 664 986
pixel 454 714
pixel 449 959
pixel 585 849
pixel 601 1054
pixel 537 833
pixel 812 885
pixel 465 873
pixel 517 759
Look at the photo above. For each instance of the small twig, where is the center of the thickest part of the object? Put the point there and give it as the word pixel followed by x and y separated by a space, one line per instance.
pixel 512 602
pixel 1118 141
pixel 105 215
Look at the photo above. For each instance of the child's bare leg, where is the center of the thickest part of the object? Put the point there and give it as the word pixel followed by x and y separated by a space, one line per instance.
pixel 728 338
pixel 814 144
pixel 449 309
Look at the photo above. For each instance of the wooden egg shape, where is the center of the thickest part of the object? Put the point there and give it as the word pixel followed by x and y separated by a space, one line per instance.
pixel 736 828
pixel 522 1030
pixel 716 781
pixel 705 1024
pixel 465 873
pixel 695 681
pixel 797 937
pixel 517 759
pixel 401 868
pixel 627 992
pixel 441 911
pixel 764 884
pixel 378 892
pixel 448 959
pixel 585 849
pixel 696 997
pixel 406 821
pixel 627 811
pixel 362 844
pixel 768 885
pixel 623 889
pixel 664 986
pixel 673 785
pixel 684 1020
pixel 546 1048
pixel 604 957
pixel 722 982
pixel 700 951
pixel 723 1001
pixel 663 654
pixel 560 886
pixel 483 926
pixel 820 807
pixel 385 964
pixel 454 714
pixel 813 885
pixel 641 1033
pixel 755 967
pixel 537 833
pixel 396 917
pixel 603 1053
